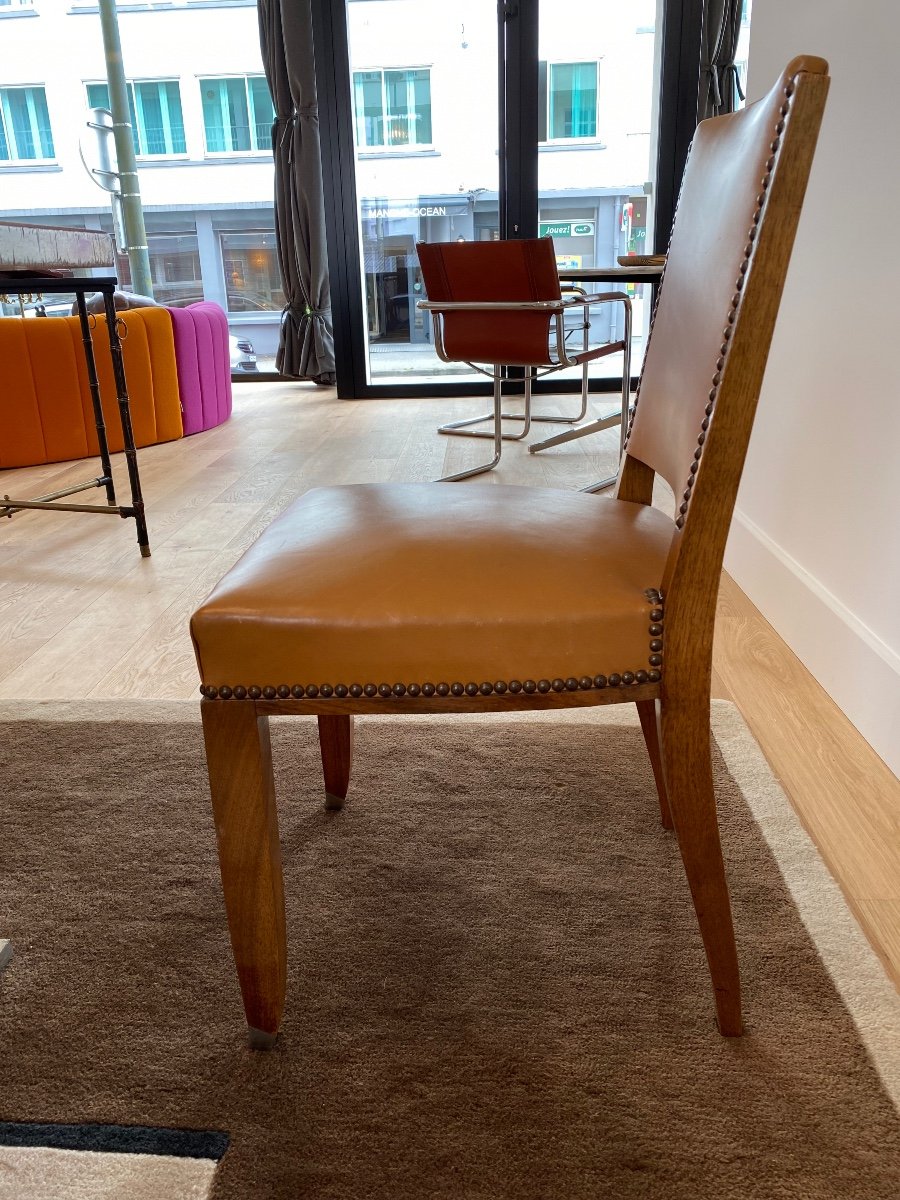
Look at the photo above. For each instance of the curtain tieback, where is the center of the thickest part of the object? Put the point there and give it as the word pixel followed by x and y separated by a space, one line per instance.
pixel 711 70
pixel 284 124
pixel 732 69
pixel 718 71
pixel 298 312
pixel 293 121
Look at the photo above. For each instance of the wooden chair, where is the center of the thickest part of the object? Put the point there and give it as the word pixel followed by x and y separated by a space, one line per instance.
pixel 433 598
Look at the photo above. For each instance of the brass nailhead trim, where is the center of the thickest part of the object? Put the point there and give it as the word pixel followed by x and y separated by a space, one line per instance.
pixel 655 629
pixel 585 683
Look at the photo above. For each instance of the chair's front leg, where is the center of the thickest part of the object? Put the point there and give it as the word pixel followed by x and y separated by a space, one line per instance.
pixel 239 761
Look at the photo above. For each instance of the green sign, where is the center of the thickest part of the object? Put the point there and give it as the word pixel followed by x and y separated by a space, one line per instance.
pixel 564 229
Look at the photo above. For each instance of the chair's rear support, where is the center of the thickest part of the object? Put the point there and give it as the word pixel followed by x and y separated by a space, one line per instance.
pixel 461 428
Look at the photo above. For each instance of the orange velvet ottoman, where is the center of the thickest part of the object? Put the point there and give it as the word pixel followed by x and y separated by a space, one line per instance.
pixel 46 413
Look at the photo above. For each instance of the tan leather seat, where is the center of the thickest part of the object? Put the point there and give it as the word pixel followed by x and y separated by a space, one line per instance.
pixel 376 586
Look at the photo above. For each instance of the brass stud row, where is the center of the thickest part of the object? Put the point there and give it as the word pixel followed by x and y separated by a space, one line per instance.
pixel 584 683
pixel 312 691
pixel 655 628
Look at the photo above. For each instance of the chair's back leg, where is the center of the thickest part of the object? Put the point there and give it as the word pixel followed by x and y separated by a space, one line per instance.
pixel 648 711
pixel 687 768
pixel 336 745
pixel 239 760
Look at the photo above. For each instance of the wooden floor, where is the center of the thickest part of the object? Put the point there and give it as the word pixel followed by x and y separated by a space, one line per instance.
pixel 82 615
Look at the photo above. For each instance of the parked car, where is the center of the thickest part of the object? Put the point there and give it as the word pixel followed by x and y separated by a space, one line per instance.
pixel 243 356
pixel 180 295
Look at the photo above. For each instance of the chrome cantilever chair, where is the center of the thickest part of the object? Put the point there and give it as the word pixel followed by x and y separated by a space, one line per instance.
pixel 426 598
pixel 500 303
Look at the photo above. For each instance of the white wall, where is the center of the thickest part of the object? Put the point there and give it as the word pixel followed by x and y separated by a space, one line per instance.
pixel 62 49
pixel 816 538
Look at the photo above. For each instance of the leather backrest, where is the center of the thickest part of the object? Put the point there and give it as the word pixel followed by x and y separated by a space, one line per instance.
pixel 522 269
pixel 728 183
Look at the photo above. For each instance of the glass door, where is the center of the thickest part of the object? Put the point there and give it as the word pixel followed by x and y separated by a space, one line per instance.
pixel 425 128
pixel 481 120
pixel 597 99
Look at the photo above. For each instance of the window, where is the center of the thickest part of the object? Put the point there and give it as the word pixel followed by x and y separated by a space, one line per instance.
pixel 175 267
pixel 24 125
pixel 156 121
pixel 252 281
pixel 392 108
pixel 569 101
pixel 741 53
pixel 237 114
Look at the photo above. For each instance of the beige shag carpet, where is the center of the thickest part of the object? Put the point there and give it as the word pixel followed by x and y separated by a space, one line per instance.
pixel 496 989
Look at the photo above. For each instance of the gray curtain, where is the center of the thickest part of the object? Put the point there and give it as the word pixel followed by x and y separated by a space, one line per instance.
pixel 720 86
pixel 306 344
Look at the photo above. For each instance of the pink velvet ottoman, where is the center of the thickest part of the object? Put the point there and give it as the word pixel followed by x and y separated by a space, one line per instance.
pixel 203 362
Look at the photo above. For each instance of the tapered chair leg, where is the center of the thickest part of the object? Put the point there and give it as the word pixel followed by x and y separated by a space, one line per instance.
pixel 239 761
pixel 648 711
pixel 336 745
pixel 687 768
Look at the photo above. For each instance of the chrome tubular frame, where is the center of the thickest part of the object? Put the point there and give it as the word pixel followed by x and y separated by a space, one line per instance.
pixel 615 418
pixel 558 309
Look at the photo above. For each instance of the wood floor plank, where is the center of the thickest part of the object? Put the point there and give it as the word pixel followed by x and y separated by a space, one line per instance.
pixel 73 661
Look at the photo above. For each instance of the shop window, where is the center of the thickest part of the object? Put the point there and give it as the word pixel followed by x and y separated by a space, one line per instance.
pixel 252 280
pixel 156 121
pixel 24 125
pixel 392 109
pixel 568 101
pixel 237 114
pixel 175 268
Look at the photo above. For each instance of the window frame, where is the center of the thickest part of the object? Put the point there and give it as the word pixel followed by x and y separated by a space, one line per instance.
pixel 8 129
pixel 548 65
pixel 385 147
pixel 255 151
pixel 137 125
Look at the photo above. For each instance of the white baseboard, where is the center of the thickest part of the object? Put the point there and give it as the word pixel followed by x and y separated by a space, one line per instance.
pixel 859 670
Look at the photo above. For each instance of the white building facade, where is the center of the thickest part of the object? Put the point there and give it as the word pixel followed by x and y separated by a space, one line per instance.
pixel 424 88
